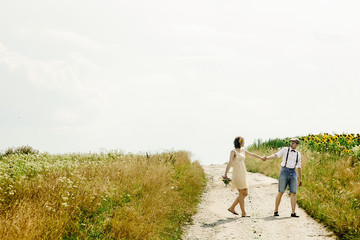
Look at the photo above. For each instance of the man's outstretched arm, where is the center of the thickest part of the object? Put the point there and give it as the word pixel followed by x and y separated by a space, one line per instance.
pixel 271 157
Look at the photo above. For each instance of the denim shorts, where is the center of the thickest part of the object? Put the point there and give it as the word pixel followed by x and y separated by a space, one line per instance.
pixel 287 177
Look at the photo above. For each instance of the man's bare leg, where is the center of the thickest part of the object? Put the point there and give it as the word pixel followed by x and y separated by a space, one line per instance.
pixel 293 202
pixel 277 201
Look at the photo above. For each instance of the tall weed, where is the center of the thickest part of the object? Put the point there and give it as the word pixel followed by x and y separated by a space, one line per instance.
pixel 98 196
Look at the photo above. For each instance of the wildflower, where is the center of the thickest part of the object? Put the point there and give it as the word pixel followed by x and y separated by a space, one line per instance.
pixel 49 208
pixel 226 180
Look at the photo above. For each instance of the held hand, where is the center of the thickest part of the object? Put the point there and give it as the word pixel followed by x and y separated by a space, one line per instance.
pixel 263 158
pixel 300 183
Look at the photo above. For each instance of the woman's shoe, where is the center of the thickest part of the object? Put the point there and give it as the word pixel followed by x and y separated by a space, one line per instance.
pixel 233 212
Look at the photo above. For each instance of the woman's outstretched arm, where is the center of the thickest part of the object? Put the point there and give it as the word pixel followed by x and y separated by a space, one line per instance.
pixel 255 155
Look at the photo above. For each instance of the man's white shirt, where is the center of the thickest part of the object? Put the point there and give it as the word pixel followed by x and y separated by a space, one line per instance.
pixel 291 159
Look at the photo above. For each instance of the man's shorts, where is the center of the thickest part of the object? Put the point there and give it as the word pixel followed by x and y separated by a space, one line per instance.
pixel 287 177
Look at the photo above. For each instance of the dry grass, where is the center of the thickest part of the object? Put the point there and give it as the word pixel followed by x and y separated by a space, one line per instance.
pixel 120 197
pixel 330 191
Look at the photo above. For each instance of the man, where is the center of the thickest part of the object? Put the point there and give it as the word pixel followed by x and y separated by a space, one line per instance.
pixel 288 176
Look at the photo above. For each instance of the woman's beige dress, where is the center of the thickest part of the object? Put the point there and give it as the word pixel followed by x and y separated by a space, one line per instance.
pixel 239 175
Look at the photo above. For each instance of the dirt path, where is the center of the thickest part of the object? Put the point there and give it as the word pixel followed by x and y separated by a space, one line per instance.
pixel 213 221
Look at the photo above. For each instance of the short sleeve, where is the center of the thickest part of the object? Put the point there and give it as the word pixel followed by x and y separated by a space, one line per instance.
pixel 281 152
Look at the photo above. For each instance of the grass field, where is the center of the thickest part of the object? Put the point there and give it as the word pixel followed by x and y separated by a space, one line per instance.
pixel 97 196
pixel 331 184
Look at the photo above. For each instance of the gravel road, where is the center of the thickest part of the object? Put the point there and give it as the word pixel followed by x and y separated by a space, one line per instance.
pixel 213 221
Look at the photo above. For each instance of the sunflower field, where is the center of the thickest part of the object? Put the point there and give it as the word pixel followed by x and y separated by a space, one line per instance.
pixel 347 144
pixel 338 144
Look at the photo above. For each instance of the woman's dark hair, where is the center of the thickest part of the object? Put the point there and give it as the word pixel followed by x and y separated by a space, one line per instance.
pixel 238 141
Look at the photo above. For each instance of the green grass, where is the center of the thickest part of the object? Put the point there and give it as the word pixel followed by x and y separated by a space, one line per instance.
pixel 98 196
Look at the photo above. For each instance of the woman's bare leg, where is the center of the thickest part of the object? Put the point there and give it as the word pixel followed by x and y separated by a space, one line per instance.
pixel 232 208
pixel 234 204
pixel 243 194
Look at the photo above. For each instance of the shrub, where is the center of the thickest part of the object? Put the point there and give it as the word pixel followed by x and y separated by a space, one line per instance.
pixel 21 150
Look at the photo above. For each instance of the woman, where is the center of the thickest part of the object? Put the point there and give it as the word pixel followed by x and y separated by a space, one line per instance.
pixel 239 175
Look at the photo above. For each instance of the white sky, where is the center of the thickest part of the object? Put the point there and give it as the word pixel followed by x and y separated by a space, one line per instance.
pixel 79 76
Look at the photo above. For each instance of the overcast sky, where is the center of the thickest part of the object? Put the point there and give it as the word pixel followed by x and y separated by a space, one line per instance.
pixel 80 76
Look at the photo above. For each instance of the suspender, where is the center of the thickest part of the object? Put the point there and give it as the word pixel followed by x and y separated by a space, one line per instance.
pixel 287 155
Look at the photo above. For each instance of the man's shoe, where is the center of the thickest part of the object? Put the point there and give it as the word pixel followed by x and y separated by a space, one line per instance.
pixel 294 215
pixel 276 214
